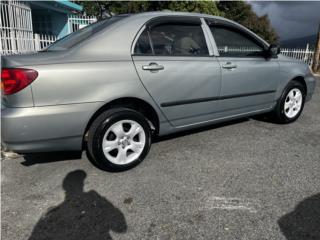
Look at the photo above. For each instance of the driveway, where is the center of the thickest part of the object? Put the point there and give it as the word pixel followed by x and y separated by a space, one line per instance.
pixel 248 179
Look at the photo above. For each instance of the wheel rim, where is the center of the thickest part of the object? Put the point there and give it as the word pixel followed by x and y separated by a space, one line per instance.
pixel 293 103
pixel 124 142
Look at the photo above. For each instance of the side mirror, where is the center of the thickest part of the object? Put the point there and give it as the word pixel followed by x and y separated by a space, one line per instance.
pixel 273 50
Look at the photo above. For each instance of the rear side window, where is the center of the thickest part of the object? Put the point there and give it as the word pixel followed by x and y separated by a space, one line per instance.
pixel 232 43
pixel 172 39
pixel 143 46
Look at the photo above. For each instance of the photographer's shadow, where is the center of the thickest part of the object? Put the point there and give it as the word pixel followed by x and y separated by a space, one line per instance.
pixel 82 215
pixel 303 223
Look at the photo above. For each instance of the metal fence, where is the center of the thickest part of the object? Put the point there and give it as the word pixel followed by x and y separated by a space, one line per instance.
pixel 76 22
pixel 15 27
pixel 41 41
pixel 18 44
pixel 16 32
pixel 305 55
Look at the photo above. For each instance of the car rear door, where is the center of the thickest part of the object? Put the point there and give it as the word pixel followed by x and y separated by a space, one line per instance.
pixel 173 61
pixel 249 79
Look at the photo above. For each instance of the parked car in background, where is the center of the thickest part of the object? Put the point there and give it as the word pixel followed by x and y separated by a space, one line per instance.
pixel 112 85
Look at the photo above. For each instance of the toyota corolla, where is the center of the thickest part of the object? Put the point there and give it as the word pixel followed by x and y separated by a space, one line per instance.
pixel 109 87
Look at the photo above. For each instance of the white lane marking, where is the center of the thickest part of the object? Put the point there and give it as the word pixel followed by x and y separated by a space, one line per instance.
pixel 245 204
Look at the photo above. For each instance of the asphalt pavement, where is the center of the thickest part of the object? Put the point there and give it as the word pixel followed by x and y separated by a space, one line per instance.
pixel 247 179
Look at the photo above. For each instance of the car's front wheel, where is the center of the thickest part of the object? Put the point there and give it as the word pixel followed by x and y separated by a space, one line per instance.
pixel 119 139
pixel 291 103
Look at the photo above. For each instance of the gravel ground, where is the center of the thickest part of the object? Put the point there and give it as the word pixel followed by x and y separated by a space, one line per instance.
pixel 248 179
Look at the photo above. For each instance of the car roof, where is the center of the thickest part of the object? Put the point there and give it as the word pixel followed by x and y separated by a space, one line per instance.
pixel 169 12
pixel 146 16
pixel 152 14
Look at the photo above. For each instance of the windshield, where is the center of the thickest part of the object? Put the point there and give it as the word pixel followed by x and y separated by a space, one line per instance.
pixel 74 38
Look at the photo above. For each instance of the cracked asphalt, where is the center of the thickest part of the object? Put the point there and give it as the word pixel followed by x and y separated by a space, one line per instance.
pixel 247 179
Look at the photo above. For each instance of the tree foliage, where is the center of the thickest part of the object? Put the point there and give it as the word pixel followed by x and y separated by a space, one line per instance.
pixel 104 8
pixel 241 12
pixel 316 57
pixel 238 11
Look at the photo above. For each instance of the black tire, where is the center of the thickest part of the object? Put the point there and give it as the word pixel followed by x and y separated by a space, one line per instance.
pixel 279 111
pixel 99 128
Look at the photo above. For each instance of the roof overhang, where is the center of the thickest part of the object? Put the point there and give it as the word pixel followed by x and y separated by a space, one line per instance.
pixel 70 5
pixel 58 5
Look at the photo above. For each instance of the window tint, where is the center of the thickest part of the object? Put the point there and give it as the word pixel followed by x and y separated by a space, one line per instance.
pixel 174 40
pixel 233 43
pixel 143 46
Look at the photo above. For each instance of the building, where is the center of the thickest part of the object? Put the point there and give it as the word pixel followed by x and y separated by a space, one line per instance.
pixel 28 26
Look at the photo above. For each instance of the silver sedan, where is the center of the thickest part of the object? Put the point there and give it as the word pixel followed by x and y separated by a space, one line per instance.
pixel 109 87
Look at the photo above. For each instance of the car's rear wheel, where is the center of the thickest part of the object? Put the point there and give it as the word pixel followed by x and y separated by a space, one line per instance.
pixel 291 103
pixel 119 139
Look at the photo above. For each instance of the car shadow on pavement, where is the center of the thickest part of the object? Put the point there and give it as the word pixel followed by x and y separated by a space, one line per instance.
pixel 200 129
pixel 38 158
pixel 303 223
pixel 82 215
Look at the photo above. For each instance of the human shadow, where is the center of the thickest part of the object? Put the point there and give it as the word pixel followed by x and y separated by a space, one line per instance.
pixel 82 215
pixel 303 223
pixel 39 158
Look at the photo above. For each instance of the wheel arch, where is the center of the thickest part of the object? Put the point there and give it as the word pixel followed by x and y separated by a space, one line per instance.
pixel 286 80
pixel 137 104
pixel 301 80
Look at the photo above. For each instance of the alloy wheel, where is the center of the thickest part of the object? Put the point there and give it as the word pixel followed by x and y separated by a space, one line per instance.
pixel 293 103
pixel 124 142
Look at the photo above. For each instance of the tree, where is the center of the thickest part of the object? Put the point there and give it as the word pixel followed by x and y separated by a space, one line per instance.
pixel 242 13
pixel 238 11
pixel 316 58
pixel 101 9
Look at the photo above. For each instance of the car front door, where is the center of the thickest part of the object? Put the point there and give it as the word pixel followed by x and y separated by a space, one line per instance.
pixel 172 59
pixel 249 79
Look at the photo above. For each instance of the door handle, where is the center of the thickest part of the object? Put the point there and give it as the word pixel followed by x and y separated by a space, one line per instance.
pixel 153 67
pixel 229 65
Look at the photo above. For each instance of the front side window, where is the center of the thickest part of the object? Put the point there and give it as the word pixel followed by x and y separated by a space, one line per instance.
pixel 232 43
pixel 172 40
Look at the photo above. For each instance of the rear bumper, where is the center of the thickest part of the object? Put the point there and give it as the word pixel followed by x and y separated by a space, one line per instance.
pixel 49 145
pixel 45 129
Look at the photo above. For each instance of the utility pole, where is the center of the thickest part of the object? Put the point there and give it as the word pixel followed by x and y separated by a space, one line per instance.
pixel 316 57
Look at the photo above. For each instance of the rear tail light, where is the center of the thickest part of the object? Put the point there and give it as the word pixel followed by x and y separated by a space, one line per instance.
pixel 15 79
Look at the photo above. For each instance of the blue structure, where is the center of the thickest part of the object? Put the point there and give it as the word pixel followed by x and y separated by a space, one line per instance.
pixel 51 17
